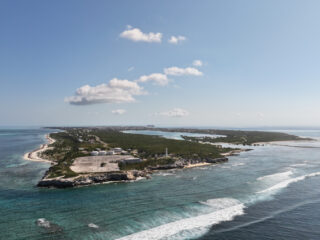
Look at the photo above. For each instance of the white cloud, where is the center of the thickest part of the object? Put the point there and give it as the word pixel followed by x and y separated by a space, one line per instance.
pixel 118 111
pixel 157 78
pixel 176 112
pixel 116 91
pixel 176 40
pixel 136 35
pixel 176 71
pixel 197 63
pixel 130 69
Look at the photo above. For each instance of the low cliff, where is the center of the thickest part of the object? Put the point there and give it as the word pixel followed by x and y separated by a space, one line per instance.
pixel 91 179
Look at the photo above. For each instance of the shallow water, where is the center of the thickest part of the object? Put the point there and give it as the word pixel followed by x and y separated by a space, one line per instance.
pixel 172 135
pixel 272 192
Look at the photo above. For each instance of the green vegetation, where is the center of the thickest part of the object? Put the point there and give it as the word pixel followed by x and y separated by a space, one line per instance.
pixel 245 137
pixel 77 142
pixel 149 146
pixel 144 164
pixel 66 149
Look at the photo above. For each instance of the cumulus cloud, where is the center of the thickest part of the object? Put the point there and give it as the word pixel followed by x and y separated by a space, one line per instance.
pixel 157 78
pixel 136 35
pixel 176 71
pixel 116 91
pixel 176 40
pixel 118 111
pixel 176 112
pixel 197 63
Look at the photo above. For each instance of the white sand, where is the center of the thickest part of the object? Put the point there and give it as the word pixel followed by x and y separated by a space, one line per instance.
pixel 197 165
pixel 35 155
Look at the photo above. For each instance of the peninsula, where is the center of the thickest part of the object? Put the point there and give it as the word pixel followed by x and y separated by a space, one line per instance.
pixel 92 155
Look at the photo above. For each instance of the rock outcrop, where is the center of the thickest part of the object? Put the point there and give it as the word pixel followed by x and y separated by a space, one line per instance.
pixel 217 160
pixel 91 179
pixel 120 176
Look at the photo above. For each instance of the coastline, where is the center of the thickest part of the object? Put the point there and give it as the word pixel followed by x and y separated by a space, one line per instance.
pixel 193 165
pixel 34 155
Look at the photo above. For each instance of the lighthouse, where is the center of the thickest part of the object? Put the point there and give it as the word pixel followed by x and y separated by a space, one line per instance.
pixel 166 152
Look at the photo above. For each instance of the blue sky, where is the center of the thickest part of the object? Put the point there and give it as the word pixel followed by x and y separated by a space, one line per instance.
pixel 259 63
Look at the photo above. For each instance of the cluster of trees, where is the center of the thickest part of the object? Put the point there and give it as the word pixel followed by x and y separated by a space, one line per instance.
pixel 144 164
pixel 149 146
pixel 245 137
pixel 66 149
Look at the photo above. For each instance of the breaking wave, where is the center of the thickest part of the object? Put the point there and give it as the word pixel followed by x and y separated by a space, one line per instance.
pixel 222 209
pixel 237 164
pixel 92 225
pixel 164 174
pixel 275 176
pixel 42 222
pixel 287 182
pixel 298 165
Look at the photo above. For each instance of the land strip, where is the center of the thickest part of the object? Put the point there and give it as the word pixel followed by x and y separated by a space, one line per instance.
pixel 83 156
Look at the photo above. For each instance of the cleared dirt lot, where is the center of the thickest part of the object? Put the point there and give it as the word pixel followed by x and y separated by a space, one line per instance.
pixel 92 164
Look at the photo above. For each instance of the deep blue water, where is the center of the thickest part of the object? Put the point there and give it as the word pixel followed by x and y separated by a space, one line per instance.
pixel 272 192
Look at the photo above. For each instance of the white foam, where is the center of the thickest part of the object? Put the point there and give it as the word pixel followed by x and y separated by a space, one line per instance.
pixel 92 225
pixel 203 168
pixel 164 174
pixel 222 209
pixel 298 165
pixel 275 176
pixel 42 222
pixel 237 164
pixel 286 183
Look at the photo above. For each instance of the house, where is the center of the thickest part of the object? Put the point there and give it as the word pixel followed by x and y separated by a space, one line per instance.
pixel 110 153
pixel 94 153
pixel 131 160
pixel 102 153
pixel 117 150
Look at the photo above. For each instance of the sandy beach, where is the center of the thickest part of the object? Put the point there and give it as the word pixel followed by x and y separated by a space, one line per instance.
pixel 197 165
pixel 35 154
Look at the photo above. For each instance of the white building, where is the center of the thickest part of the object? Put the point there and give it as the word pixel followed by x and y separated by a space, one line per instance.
pixel 102 153
pixel 94 153
pixel 117 150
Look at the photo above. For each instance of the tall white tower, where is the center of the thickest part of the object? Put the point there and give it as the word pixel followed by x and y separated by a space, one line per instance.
pixel 166 152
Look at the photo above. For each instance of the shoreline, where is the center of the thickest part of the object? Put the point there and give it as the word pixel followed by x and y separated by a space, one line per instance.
pixel 193 165
pixel 34 155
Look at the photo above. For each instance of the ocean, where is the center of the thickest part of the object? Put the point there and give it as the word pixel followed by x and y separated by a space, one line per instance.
pixel 272 192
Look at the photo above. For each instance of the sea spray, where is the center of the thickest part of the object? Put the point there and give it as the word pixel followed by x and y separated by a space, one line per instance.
pixel 275 176
pixel 287 182
pixel 222 209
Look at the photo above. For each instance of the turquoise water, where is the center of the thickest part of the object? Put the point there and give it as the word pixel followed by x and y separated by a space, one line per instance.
pixel 272 192
pixel 172 135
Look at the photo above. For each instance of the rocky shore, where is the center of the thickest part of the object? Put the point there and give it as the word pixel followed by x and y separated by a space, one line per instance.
pixel 121 176
pixel 89 179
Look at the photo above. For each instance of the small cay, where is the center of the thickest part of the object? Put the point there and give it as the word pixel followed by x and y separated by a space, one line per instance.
pixel 85 156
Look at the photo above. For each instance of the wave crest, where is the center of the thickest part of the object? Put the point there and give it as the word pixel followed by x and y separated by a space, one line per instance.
pixel 286 183
pixel 222 209
pixel 275 176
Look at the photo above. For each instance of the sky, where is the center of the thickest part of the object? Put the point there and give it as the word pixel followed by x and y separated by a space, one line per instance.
pixel 168 63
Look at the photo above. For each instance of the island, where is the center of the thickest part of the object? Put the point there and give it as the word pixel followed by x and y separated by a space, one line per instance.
pixel 91 155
